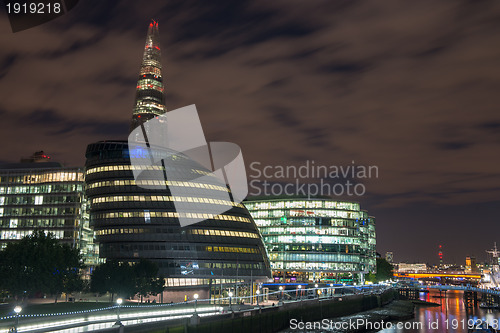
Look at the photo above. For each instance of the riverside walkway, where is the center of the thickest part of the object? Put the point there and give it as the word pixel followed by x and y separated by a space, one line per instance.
pixel 121 318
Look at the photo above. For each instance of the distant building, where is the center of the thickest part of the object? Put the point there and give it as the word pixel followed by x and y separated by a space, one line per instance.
pixel 38 193
pixel 389 256
pixel 470 264
pixel 316 240
pixel 404 267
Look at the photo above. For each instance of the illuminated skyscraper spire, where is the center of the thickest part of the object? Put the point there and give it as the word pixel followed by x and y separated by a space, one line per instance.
pixel 149 97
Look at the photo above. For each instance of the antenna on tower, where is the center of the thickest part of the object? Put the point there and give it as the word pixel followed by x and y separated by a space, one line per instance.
pixel 440 254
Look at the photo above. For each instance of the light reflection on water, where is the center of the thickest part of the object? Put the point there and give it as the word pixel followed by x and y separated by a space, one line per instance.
pixel 450 316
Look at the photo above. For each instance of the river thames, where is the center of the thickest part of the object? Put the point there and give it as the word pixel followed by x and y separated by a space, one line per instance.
pixel 450 316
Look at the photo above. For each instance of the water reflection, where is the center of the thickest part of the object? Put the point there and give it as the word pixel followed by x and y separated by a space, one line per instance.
pixel 450 316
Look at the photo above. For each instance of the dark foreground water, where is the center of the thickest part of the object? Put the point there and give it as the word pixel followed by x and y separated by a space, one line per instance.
pixel 450 316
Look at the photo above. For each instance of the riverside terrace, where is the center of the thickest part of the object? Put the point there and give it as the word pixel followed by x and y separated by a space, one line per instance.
pixel 196 313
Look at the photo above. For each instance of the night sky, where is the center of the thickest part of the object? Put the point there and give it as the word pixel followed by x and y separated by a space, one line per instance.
pixel 411 87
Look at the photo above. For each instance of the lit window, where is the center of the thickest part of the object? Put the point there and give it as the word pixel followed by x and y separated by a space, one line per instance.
pixel 38 199
pixel 13 223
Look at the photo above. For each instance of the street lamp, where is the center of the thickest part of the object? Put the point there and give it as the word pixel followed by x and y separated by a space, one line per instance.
pixel 119 301
pixel 281 289
pixel 195 301
pixel 17 310
pixel 316 289
pixel 300 288
pixel 230 294
pixel 257 292
pixel 331 289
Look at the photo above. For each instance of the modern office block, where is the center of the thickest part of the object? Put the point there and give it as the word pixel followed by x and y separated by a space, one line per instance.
pixel 40 194
pixel 316 240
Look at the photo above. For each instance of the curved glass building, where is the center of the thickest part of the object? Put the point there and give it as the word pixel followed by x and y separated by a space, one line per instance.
pixel 316 240
pixel 131 222
pixel 135 218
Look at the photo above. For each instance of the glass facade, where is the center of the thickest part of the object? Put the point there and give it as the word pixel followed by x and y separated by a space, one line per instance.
pixel 316 240
pixel 149 98
pixel 132 222
pixel 46 196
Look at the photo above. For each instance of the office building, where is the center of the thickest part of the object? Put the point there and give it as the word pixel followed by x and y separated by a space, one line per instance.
pixel 40 194
pixel 316 240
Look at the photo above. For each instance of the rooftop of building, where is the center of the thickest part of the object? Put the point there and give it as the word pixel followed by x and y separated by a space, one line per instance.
pixel 39 160
pixel 278 198
pixel 30 165
pixel 295 197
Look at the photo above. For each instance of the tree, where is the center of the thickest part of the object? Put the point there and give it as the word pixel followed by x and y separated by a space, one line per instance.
pixel 39 263
pixel 72 283
pixel 66 270
pixel 147 281
pixel 384 271
pixel 100 279
pixel 158 286
pixel 113 277
pixel 126 280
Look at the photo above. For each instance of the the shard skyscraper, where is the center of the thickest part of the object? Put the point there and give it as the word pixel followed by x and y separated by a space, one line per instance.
pixel 149 97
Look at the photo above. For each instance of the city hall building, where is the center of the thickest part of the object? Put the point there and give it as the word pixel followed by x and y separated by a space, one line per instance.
pixel 134 222
pixel 316 240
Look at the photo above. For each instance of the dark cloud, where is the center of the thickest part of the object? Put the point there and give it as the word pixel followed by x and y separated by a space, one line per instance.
pixel 7 61
pixel 73 46
pixel 117 79
pixel 283 116
pixel 304 54
pixel 102 14
pixel 493 126
pixel 431 51
pixel 57 124
pixel 236 21
pixel 278 83
pixel 42 117
pixel 343 67
pixel 453 145
pixel 115 129
pixel 315 136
